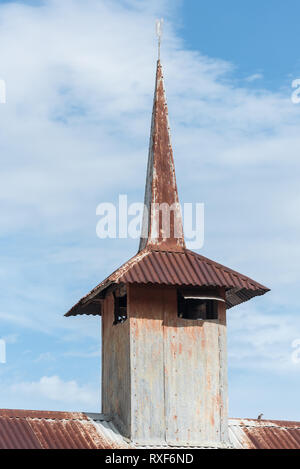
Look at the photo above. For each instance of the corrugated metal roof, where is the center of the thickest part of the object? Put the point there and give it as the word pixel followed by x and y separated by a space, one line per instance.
pixel 25 429
pixel 185 268
pixel 264 434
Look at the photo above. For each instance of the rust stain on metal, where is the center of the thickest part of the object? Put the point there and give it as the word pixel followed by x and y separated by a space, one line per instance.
pixel 24 429
pixel 161 187
pixel 264 434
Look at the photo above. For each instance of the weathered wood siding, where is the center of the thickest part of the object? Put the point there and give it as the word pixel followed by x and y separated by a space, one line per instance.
pixel 179 375
pixel 192 380
pixel 223 371
pixel 116 394
pixel 146 308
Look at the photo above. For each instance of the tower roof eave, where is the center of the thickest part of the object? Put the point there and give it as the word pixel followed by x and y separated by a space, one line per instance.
pixel 177 269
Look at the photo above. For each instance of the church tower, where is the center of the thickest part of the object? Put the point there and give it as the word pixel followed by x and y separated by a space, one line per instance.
pixel 164 358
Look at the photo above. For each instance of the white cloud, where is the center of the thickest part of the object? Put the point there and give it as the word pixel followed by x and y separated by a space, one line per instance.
pixel 45 357
pixel 82 109
pixel 53 388
pixel 10 339
pixel 74 133
pixel 259 340
pixel 254 77
pixel 88 354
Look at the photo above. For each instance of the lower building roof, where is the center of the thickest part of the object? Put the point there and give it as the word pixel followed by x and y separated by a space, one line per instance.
pixel 25 429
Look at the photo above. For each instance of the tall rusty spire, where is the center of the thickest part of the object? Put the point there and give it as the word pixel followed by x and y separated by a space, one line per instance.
pixel 162 222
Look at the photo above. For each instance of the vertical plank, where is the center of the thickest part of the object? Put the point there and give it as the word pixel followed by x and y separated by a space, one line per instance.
pixel 116 368
pixel 192 378
pixel 165 377
pixel 223 374
pixel 147 379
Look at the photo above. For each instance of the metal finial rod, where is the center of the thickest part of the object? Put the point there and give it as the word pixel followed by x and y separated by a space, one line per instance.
pixel 159 32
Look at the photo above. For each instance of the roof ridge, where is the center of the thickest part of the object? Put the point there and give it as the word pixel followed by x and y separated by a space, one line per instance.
pixel 248 422
pixel 42 414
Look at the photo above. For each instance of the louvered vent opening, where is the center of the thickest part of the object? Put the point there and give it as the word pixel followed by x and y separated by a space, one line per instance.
pixel 197 306
pixel 120 308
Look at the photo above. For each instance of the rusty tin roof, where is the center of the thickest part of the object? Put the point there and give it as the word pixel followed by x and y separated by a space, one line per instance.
pixel 184 268
pixel 26 429
pixel 264 434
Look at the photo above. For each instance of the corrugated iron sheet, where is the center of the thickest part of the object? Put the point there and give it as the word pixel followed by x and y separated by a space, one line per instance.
pixel 23 429
pixel 264 434
pixel 185 268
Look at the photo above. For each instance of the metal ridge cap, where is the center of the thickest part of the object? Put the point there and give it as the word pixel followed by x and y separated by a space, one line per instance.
pixel 41 415
pixel 255 423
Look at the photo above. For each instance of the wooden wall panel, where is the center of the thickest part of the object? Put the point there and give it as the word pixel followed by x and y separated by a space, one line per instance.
pixel 165 377
pixel 146 342
pixel 223 372
pixel 194 383
pixel 116 393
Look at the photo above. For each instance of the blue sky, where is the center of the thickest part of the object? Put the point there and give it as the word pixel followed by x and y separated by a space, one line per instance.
pixel 257 37
pixel 74 133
